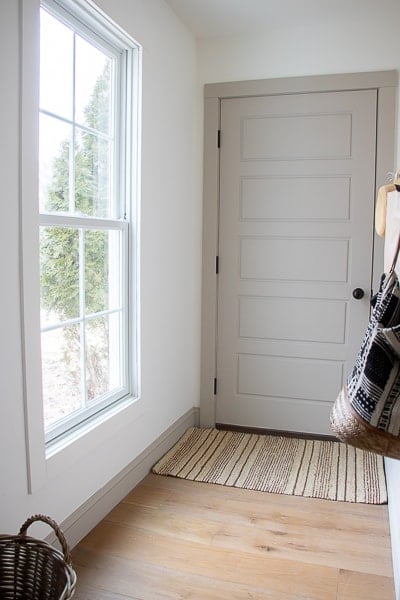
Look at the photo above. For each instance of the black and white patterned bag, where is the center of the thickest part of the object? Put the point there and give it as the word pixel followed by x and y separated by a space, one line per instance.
pixel 366 413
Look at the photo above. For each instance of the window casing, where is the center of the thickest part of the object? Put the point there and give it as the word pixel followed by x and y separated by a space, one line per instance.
pixel 87 184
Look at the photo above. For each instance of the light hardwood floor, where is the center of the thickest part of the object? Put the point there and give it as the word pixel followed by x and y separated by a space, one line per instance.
pixel 171 539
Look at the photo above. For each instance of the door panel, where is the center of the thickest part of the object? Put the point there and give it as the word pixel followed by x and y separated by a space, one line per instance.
pixel 301 200
pixel 296 227
pixel 300 259
pixel 257 373
pixel 300 319
pixel 295 136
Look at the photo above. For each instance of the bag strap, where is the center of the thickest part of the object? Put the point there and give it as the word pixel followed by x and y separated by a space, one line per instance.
pixel 395 256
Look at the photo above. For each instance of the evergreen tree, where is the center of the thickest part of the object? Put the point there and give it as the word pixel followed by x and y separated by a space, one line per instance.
pixel 60 245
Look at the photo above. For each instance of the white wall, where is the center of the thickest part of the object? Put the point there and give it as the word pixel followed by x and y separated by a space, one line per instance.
pixel 350 41
pixel 368 42
pixel 170 269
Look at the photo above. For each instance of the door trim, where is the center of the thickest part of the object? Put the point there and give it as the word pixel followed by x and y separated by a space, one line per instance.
pixel 385 82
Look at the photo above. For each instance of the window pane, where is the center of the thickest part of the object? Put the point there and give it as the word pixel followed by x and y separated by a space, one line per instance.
pixel 102 270
pixel 54 162
pixel 56 66
pixel 96 271
pixel 92 175
pixel 59 274
pixel 116 352
pixel 114 269
pixel 61 372
pixel 93 87
pixel 97 358
pixel 103 371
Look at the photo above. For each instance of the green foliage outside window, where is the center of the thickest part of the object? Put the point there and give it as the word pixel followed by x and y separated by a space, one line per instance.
pixel 60 268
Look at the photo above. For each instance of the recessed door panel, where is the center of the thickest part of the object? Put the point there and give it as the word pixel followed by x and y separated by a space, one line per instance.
pixel 296 319
pixel 295 198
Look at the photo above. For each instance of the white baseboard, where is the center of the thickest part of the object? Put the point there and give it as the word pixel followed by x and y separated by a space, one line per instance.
pixel 89 514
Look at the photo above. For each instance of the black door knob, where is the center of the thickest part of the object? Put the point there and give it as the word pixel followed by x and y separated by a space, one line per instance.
pixel 358 293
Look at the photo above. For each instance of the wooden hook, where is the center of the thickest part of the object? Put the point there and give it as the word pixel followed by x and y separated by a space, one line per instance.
pixel 380 208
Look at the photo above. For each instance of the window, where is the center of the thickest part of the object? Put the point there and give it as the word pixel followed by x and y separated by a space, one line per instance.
pixel 86 193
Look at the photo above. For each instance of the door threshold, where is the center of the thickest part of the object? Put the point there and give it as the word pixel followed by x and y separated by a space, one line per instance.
pixel 279 432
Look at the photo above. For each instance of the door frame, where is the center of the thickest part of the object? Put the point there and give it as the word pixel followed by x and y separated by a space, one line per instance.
pixel 385 82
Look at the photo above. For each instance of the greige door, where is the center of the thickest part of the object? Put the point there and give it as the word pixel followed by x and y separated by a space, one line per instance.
pixel 297 181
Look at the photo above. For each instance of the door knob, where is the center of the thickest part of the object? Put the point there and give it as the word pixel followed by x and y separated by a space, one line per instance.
pixel 358 293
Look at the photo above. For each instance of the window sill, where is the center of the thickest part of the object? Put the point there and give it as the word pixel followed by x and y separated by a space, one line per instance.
pixel 62 453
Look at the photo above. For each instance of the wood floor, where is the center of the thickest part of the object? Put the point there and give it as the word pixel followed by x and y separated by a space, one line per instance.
pixel 171 539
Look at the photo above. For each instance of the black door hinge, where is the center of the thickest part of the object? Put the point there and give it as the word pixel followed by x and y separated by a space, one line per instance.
pixel 219 138
pixel 215 386
pixel 217 264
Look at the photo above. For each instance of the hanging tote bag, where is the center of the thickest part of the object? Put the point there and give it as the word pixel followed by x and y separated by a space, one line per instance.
pixel 366 413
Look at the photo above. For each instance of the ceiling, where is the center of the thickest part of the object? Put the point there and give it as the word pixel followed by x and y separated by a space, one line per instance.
pixel 213 18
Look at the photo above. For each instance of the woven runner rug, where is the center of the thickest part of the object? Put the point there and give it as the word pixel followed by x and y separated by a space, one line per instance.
pixel 281 465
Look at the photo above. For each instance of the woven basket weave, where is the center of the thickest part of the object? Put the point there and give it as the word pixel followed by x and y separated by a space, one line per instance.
pixel 350 428
pixel 32 569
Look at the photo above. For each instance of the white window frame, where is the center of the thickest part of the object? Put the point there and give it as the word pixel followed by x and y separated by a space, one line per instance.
pixel 89 16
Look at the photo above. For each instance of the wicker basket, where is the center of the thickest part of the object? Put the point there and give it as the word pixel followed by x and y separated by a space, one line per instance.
pixel 350 428
pixel 32 569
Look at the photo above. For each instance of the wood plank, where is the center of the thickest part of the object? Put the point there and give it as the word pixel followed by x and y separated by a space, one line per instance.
pixel 162 521
pixel 360 585
pixel 278 575
pixel 269 527
pixel 151 582
pixel 171 539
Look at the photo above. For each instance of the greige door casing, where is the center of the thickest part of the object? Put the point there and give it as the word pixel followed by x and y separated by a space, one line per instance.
pixel 382 83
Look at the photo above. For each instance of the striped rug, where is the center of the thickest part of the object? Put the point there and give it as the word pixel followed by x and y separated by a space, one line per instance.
pixel 281 465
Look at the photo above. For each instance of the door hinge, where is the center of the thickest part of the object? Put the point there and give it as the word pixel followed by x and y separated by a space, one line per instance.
pixel 219 138
pixel 215 386
pixel 217 264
